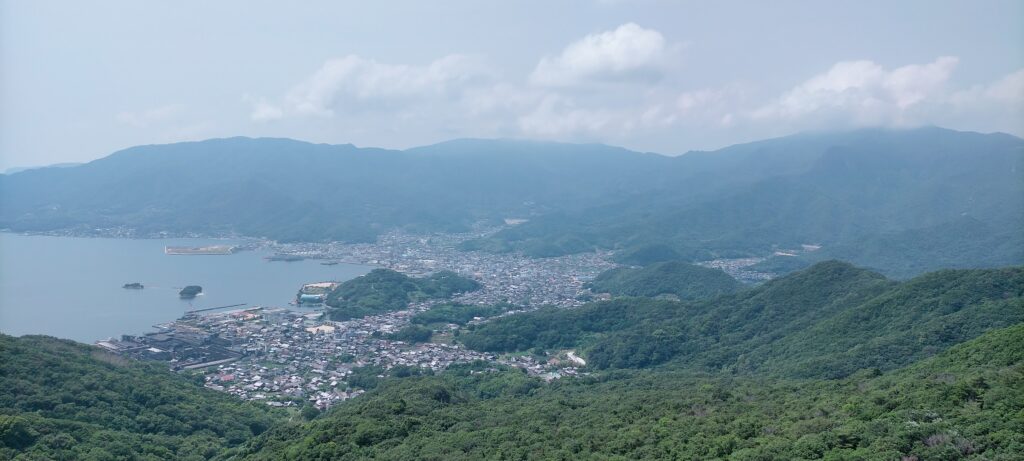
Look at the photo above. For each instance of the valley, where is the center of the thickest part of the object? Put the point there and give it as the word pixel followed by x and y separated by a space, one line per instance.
pixel 586 230
pixel 709 321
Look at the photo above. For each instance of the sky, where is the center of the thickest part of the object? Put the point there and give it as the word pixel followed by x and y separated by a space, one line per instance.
pixel 80 80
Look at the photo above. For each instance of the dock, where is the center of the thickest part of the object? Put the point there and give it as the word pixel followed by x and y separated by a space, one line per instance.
pixel 207 250
pixel 196 311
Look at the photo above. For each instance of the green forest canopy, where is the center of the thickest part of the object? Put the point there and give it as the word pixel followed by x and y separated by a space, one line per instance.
pixel 385 290
pixel 965 403
pixel 681 280
pixel 833 362
pixel 64 400
pixel 827 321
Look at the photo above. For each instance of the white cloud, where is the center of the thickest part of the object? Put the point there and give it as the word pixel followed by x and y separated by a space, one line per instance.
pixel 913 84
pixel 995 106
pixel 862 93
pixel 500 98
pixel 366 101
pixel 628 52
pixel 354 83
pixel 1008 91
pixel 458 94
pixel 691 101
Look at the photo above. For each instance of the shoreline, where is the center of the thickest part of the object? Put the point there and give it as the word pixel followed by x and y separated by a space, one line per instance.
pixel 159 306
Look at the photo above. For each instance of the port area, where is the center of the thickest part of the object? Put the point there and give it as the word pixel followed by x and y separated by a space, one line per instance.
pixel 314 294
pixel 207 250
pixel 187 344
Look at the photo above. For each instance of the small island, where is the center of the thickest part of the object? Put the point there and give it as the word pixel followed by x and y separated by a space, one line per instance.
pixel 133 286
pixel 190 291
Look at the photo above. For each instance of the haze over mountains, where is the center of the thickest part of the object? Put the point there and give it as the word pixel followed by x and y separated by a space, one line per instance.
pixel 832 361
pixel 872 196
pixel 592 230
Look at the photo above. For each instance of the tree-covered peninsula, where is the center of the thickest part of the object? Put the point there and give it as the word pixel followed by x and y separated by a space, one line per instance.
pixel 385 290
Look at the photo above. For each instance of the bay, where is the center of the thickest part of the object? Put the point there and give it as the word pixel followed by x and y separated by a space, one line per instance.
pixel 71 287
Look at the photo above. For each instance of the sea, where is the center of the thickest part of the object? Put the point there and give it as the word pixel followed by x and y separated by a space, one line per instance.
pixel 72 288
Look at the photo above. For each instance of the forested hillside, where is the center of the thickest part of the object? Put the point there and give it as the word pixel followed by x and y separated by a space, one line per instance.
pixel 962 404
pixel 384 290
pixel 67 401
pixel 958 244
pixel 672 278
pixel 827 321
pixel 832 362
pixel 902 202
pixel 296 191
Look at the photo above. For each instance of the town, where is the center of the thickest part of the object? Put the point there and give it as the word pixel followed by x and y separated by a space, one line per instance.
pixel 507 277
pixel 291 356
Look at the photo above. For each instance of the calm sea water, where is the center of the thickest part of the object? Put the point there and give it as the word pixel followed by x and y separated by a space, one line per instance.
pixel 72 287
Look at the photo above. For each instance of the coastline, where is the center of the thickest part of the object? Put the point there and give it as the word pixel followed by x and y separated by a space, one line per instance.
pixel 95 305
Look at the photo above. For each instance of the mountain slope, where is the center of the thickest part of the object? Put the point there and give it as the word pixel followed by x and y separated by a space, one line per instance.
pixel 675 278
pixel 948 384
pixel 836 190
pixel 913 200
pixel 913 320
pixel 292 190
pixel 827 321
pixel 384 290
pixel 961 243
pixel 962 404
pixel 64 400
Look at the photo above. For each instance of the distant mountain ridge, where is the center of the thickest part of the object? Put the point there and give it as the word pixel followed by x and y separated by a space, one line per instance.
pixel 897 201
pixel 871 196
pixel 19 169
pixel 291 190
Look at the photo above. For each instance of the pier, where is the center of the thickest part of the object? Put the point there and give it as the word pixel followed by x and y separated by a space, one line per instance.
pixel 196 311
pixel 206 250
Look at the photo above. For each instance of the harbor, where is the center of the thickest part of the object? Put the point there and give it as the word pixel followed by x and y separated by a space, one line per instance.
pixel 93 302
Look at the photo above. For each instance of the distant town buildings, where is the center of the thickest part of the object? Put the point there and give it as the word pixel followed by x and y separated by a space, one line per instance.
pixel 287 357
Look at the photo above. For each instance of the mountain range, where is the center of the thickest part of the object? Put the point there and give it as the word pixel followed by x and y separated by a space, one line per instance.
pixel 898 201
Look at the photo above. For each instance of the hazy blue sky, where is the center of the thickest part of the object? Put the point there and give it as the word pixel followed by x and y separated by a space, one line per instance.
pixel 79 80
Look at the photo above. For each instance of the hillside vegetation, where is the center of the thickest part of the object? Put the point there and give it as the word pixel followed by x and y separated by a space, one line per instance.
pixel 833 362
pixel 67 401
pixel 675 278
pixel 384 290
pixel 459 314
pixel 824 322
pixel 290 190
pixel 901 202
pixel 965 403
